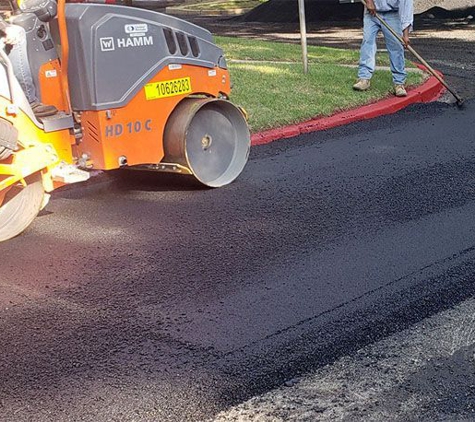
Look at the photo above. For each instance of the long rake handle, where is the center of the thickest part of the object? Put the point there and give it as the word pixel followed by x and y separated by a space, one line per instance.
pixel 418 56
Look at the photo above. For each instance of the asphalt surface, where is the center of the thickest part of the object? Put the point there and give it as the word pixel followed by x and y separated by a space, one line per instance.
pixel 141 300
pixel 145 298
pixel 422 373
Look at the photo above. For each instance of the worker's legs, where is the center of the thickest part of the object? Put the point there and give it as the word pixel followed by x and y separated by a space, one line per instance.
pixel 19 58
pixel 394 47
pixel 21 68
pixel 368 47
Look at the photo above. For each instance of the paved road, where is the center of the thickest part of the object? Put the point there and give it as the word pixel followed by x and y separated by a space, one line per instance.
pixel 134 300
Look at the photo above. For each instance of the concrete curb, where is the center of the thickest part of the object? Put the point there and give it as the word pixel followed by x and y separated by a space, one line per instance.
pixel 429 91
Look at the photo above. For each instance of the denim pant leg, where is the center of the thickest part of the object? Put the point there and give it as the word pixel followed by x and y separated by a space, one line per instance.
pixel 395 48
pixel 367 62
pixel 21 68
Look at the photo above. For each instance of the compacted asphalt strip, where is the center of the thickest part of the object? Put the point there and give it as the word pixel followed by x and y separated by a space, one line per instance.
pixel 153 300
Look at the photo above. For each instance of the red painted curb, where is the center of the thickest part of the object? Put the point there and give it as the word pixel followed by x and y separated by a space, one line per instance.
pixel 427 92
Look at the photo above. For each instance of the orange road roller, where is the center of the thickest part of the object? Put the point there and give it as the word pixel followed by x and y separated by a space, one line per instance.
pixel 134 88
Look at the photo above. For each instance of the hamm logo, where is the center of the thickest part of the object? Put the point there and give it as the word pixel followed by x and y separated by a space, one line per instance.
pixel 107 44
pixel 134 42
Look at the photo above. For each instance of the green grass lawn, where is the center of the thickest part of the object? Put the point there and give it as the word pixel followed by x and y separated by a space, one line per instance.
pixel 257 50
pixel 268 81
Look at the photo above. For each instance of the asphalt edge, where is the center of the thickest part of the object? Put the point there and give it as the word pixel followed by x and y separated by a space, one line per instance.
pixel 429 91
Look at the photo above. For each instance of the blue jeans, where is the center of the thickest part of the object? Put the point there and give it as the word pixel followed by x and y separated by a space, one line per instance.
pixel 371 27
pixel 21 68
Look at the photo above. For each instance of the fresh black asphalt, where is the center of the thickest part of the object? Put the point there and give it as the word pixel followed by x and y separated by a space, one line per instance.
pixel 148 298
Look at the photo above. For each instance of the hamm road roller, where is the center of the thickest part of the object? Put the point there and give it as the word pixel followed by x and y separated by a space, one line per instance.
pixel 135 89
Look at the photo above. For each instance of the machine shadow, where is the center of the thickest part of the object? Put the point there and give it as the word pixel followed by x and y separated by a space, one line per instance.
pixel 117 181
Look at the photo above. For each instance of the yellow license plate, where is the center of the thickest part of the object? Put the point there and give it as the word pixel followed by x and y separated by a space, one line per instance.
pixel 169 88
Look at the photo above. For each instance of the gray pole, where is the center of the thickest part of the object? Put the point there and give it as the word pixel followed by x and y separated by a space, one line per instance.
pixel 303 35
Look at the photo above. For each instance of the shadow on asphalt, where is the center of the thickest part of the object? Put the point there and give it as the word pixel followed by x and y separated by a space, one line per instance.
pixel 119 182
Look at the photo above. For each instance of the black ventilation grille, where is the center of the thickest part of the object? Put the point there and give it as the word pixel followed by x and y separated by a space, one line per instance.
pixel 182 43
pixel 170 39
pixel 195 48
pixel 92 131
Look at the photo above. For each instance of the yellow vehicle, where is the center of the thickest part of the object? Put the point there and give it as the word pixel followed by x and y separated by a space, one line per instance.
pixel 137 89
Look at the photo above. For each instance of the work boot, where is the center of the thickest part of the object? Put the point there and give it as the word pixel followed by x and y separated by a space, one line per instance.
pixel 43 110
pixel 362 85
pixel 400 91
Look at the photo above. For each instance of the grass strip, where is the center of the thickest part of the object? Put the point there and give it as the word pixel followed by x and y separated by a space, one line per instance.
pixel 276 94
pixel 251 49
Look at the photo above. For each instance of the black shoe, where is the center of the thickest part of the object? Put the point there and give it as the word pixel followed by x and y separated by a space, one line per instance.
pixel 43 110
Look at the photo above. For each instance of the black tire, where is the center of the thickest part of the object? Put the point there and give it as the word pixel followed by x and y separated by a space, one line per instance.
pixel 20 207
pixel 5 153
pixel 8 139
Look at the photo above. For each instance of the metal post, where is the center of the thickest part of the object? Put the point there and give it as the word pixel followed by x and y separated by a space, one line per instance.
pixel 303 35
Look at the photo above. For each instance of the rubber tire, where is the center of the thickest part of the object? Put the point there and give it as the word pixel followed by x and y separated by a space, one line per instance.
pixel 8 139
pixel 5 153
pixel 20 207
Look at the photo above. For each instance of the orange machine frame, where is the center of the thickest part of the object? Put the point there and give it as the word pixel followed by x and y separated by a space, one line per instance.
pixel 134 131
